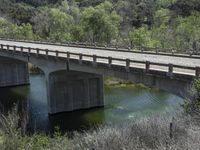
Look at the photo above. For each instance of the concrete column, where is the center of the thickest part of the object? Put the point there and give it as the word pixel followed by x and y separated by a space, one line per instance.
pixel 13 72
pixel 69 91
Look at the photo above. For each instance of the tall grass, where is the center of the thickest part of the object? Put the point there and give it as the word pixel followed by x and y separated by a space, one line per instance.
pixel 148 133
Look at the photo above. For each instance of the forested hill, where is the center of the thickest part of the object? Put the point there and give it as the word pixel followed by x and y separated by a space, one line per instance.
pixel 148 23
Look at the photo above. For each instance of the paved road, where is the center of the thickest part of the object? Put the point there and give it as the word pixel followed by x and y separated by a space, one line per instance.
pixel 192 62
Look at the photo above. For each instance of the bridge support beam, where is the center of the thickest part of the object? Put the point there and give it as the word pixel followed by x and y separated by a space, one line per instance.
pixel 13 72
pixel 69 91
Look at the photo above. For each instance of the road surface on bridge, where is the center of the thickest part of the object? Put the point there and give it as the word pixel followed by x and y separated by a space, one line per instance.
pixel 182 61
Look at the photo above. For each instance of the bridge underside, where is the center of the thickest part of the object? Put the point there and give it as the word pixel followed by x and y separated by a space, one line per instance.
pixel 69 91
pixel 13 72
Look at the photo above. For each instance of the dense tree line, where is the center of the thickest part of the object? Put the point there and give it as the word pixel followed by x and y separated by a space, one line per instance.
pixel 148 23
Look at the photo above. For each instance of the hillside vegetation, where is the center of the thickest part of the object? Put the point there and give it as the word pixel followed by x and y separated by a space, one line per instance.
pixel 147 23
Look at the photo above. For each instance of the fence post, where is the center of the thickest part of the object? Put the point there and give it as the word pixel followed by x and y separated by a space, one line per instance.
pixel 171 130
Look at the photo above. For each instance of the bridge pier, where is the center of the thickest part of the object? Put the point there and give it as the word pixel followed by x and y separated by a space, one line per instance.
pixel 13 72
pixel 69 91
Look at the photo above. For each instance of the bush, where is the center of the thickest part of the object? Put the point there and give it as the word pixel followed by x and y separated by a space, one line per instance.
pixel 192 104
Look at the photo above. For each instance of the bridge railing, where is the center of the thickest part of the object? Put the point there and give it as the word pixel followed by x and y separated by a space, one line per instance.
pixel 147 66
pixel 135 49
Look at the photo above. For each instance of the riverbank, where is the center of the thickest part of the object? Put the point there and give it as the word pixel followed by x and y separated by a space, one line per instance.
pixel 147 133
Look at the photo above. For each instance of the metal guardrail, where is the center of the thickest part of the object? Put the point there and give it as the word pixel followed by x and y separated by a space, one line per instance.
pixel 94 58
pixel 143 50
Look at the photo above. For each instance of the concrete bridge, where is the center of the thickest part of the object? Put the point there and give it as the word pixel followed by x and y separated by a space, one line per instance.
pixel 74 73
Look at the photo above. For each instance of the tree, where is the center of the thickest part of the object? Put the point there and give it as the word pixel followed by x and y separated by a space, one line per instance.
pixel 60 25
pixel 41 22
pixel 142 37
pixel 21 13
pixel 188 31
pixel 100 24
pixel 9 30
pixel 185 7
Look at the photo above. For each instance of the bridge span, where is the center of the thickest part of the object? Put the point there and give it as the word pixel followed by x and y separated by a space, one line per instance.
pixel 74 74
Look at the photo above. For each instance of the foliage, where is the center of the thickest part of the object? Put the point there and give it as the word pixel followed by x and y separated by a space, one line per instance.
pixel 12 138
pixel 192 104
pixel 149 23
pixel 197 85
pixel 9 30
pixel 100 23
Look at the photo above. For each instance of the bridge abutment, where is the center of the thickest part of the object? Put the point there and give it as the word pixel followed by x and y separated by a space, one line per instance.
pixel 69 91
pixel 13 72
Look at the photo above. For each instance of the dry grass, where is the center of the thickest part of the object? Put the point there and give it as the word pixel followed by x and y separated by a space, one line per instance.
pixel 149 133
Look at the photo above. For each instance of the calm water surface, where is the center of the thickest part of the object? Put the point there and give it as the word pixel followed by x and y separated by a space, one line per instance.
pixel 122 104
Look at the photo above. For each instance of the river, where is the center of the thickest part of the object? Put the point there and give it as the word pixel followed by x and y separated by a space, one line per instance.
pixel 122 103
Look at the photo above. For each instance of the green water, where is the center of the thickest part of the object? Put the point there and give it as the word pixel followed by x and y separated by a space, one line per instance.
pixel 122 103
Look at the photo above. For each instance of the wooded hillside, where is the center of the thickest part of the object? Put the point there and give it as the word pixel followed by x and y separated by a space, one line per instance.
pixel 148 23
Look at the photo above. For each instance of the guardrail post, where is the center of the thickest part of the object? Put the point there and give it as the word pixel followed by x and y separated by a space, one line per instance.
pixel 128 65
pixel 197 72
pixel 21 50
pixel 14 49
pixel 147 66
pixel 1 46
pixel 157 51
pixel 109 61
pixel 57 54
pixel 191 53
pixel 170 69
pixel 29 50
pixel 80 58
pixel 94 60
pixel 37 51
pixel 68 55
pixel 47 53
pixel 128 62
pixel 173 51
pixel 8 47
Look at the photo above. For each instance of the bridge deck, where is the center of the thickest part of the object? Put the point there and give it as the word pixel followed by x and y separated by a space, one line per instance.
pixel 163 59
